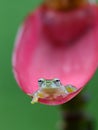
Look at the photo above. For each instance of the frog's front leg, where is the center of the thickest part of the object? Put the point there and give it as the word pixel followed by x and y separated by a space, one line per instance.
pixel 70 89
pixel 37 95
pixel 64 91
pixel 35 98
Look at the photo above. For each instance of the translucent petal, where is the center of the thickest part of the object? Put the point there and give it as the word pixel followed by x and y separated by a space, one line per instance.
pixel 56 45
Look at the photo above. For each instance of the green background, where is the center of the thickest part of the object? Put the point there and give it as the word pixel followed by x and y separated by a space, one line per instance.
pixel 16 112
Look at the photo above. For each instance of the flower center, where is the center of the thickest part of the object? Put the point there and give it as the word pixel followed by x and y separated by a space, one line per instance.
pixel 64 5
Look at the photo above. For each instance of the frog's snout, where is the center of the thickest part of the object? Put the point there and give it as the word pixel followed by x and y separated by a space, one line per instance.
pixel 49 85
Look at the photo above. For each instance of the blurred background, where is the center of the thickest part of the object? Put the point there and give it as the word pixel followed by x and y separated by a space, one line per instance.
pixel 16 112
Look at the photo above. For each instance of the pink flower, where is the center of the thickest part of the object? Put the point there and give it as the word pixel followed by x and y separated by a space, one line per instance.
pixel 56 45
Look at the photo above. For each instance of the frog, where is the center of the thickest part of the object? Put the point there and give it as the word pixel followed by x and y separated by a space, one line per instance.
pixel 51 89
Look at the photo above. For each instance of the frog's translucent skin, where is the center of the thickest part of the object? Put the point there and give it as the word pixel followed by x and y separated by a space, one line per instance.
pixel 51 89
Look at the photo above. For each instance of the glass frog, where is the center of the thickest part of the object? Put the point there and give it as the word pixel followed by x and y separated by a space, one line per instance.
pixel 51 89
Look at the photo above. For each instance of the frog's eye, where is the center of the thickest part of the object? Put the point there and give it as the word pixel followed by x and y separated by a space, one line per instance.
pixel 41 81
pixel 57 82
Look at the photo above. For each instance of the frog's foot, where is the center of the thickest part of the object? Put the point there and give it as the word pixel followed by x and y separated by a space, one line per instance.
pixel 70 89
pixel 34 100
pixel 36 97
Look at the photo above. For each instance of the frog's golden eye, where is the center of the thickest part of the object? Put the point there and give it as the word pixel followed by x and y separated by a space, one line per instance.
pixel 40 81
pixel 57 81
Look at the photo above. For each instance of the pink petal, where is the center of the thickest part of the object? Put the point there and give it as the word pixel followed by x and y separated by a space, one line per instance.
pixel 73 59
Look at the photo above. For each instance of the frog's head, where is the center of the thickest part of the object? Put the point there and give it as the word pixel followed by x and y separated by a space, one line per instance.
pixel 48 83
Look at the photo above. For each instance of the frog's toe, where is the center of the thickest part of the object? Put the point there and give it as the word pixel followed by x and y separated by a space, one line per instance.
pixel 34 100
